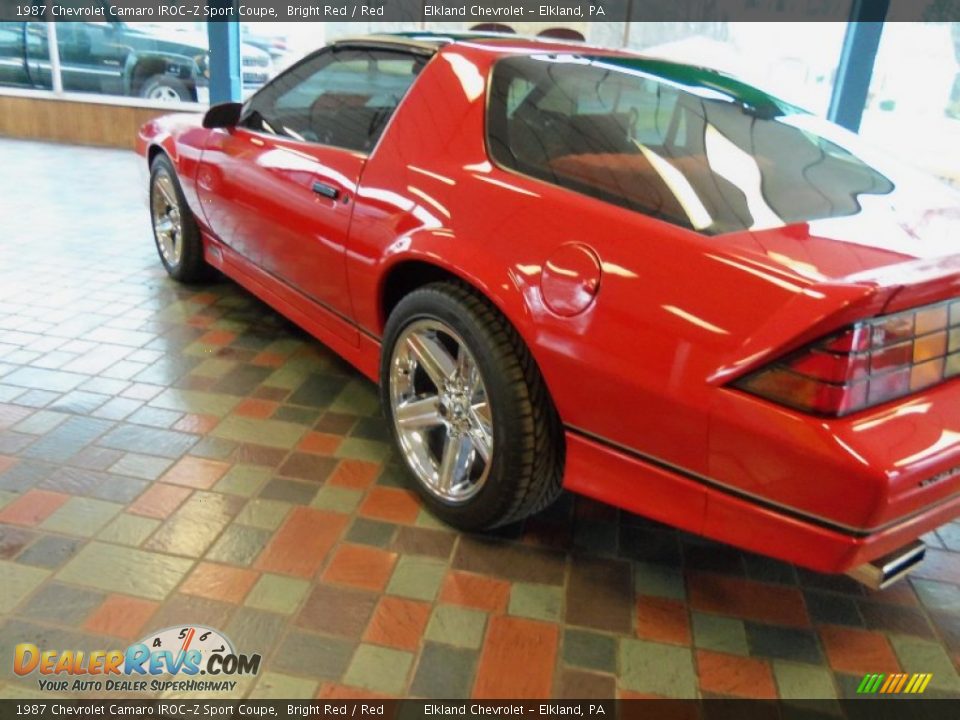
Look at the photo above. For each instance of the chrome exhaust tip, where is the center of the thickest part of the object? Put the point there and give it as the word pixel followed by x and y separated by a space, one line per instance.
pixel 885 571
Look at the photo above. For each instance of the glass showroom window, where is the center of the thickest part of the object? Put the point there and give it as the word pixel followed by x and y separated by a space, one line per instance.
pixel 576 31
pixel 25 56
pixel 268 48
pixel 797 62
pixel 563 30
pixel 165 62
pixel 281 44
pixel 913 108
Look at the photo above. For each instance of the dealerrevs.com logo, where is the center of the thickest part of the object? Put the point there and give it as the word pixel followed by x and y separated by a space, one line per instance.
pixel 169 660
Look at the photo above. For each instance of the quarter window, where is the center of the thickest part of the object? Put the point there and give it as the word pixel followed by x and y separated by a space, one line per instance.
pixel 342 97
pixel 682 144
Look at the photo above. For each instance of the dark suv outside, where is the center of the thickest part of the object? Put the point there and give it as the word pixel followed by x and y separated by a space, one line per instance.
pixel 157 62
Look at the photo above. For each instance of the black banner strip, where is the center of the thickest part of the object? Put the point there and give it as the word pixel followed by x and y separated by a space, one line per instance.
pixel 426 12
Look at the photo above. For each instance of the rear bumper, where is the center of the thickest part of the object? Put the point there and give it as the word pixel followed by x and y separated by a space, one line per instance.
pixel 651 488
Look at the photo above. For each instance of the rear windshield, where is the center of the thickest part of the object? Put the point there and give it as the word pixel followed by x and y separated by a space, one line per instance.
pixel 688 146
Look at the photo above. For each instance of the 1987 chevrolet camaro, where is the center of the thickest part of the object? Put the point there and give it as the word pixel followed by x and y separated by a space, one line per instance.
pixel 571 267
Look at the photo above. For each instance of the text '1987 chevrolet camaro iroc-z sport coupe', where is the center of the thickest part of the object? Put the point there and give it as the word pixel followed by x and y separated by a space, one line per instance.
pixel 570 267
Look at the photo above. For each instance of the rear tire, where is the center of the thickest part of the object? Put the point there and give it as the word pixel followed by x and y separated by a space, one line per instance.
pixel 493 410
pixel 175 230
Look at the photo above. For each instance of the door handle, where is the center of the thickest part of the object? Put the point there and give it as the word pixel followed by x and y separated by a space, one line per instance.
pixel 328 191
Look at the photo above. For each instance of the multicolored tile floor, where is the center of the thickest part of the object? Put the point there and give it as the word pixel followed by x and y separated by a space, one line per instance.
pixel 183 455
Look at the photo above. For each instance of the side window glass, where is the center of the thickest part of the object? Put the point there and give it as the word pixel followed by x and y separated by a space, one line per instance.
pixel 714 157
pixel 342 98
pixel 516 93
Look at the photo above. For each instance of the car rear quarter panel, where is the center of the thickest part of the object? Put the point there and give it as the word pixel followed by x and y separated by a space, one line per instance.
pixel 677 316
pixel 634 367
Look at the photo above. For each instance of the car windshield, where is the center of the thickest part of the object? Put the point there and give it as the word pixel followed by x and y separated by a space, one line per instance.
pixel 686 145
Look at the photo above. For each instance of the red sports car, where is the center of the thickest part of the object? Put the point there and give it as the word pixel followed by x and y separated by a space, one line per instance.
pixel 571 267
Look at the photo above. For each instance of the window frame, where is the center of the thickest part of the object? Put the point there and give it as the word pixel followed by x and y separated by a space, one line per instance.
pixel 417 52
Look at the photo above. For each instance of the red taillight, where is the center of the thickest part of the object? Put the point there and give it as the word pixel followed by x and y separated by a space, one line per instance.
pixel 866 364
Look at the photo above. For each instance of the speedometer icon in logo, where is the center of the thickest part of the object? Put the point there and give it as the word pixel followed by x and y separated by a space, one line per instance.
pixel 181 640
pixel 188 650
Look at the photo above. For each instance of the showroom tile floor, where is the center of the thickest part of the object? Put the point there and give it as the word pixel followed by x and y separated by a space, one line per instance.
pixel 174 455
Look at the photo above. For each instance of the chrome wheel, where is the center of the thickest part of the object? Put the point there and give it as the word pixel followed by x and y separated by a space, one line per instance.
pixel 164 93
pixel 440 410
pixel 167 223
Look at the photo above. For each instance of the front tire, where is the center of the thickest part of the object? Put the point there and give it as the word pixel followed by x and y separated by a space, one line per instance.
pixel 468 409
pixel 175 230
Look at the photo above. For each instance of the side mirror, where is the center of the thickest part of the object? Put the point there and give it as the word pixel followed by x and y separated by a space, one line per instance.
pixel 224 115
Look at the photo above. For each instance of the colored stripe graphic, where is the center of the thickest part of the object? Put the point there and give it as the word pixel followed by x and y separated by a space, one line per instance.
pixel 869 684
pixel 894 683
pixel 903 680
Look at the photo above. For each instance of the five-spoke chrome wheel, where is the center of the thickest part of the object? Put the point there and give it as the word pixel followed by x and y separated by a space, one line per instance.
pixel 167 222
pixel 441 411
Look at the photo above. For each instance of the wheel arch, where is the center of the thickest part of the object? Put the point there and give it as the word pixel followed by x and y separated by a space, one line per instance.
pixel 153 151
pixel 410 273
pixel 404 275
pixel 144 67
pixel 165 134
pixel 163 145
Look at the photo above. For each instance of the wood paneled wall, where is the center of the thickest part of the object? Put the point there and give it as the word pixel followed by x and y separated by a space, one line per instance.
pixel 67 121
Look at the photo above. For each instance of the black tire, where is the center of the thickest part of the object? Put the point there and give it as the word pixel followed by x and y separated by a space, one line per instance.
pixel 528 453
pixel 166 86
pixel 191 266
